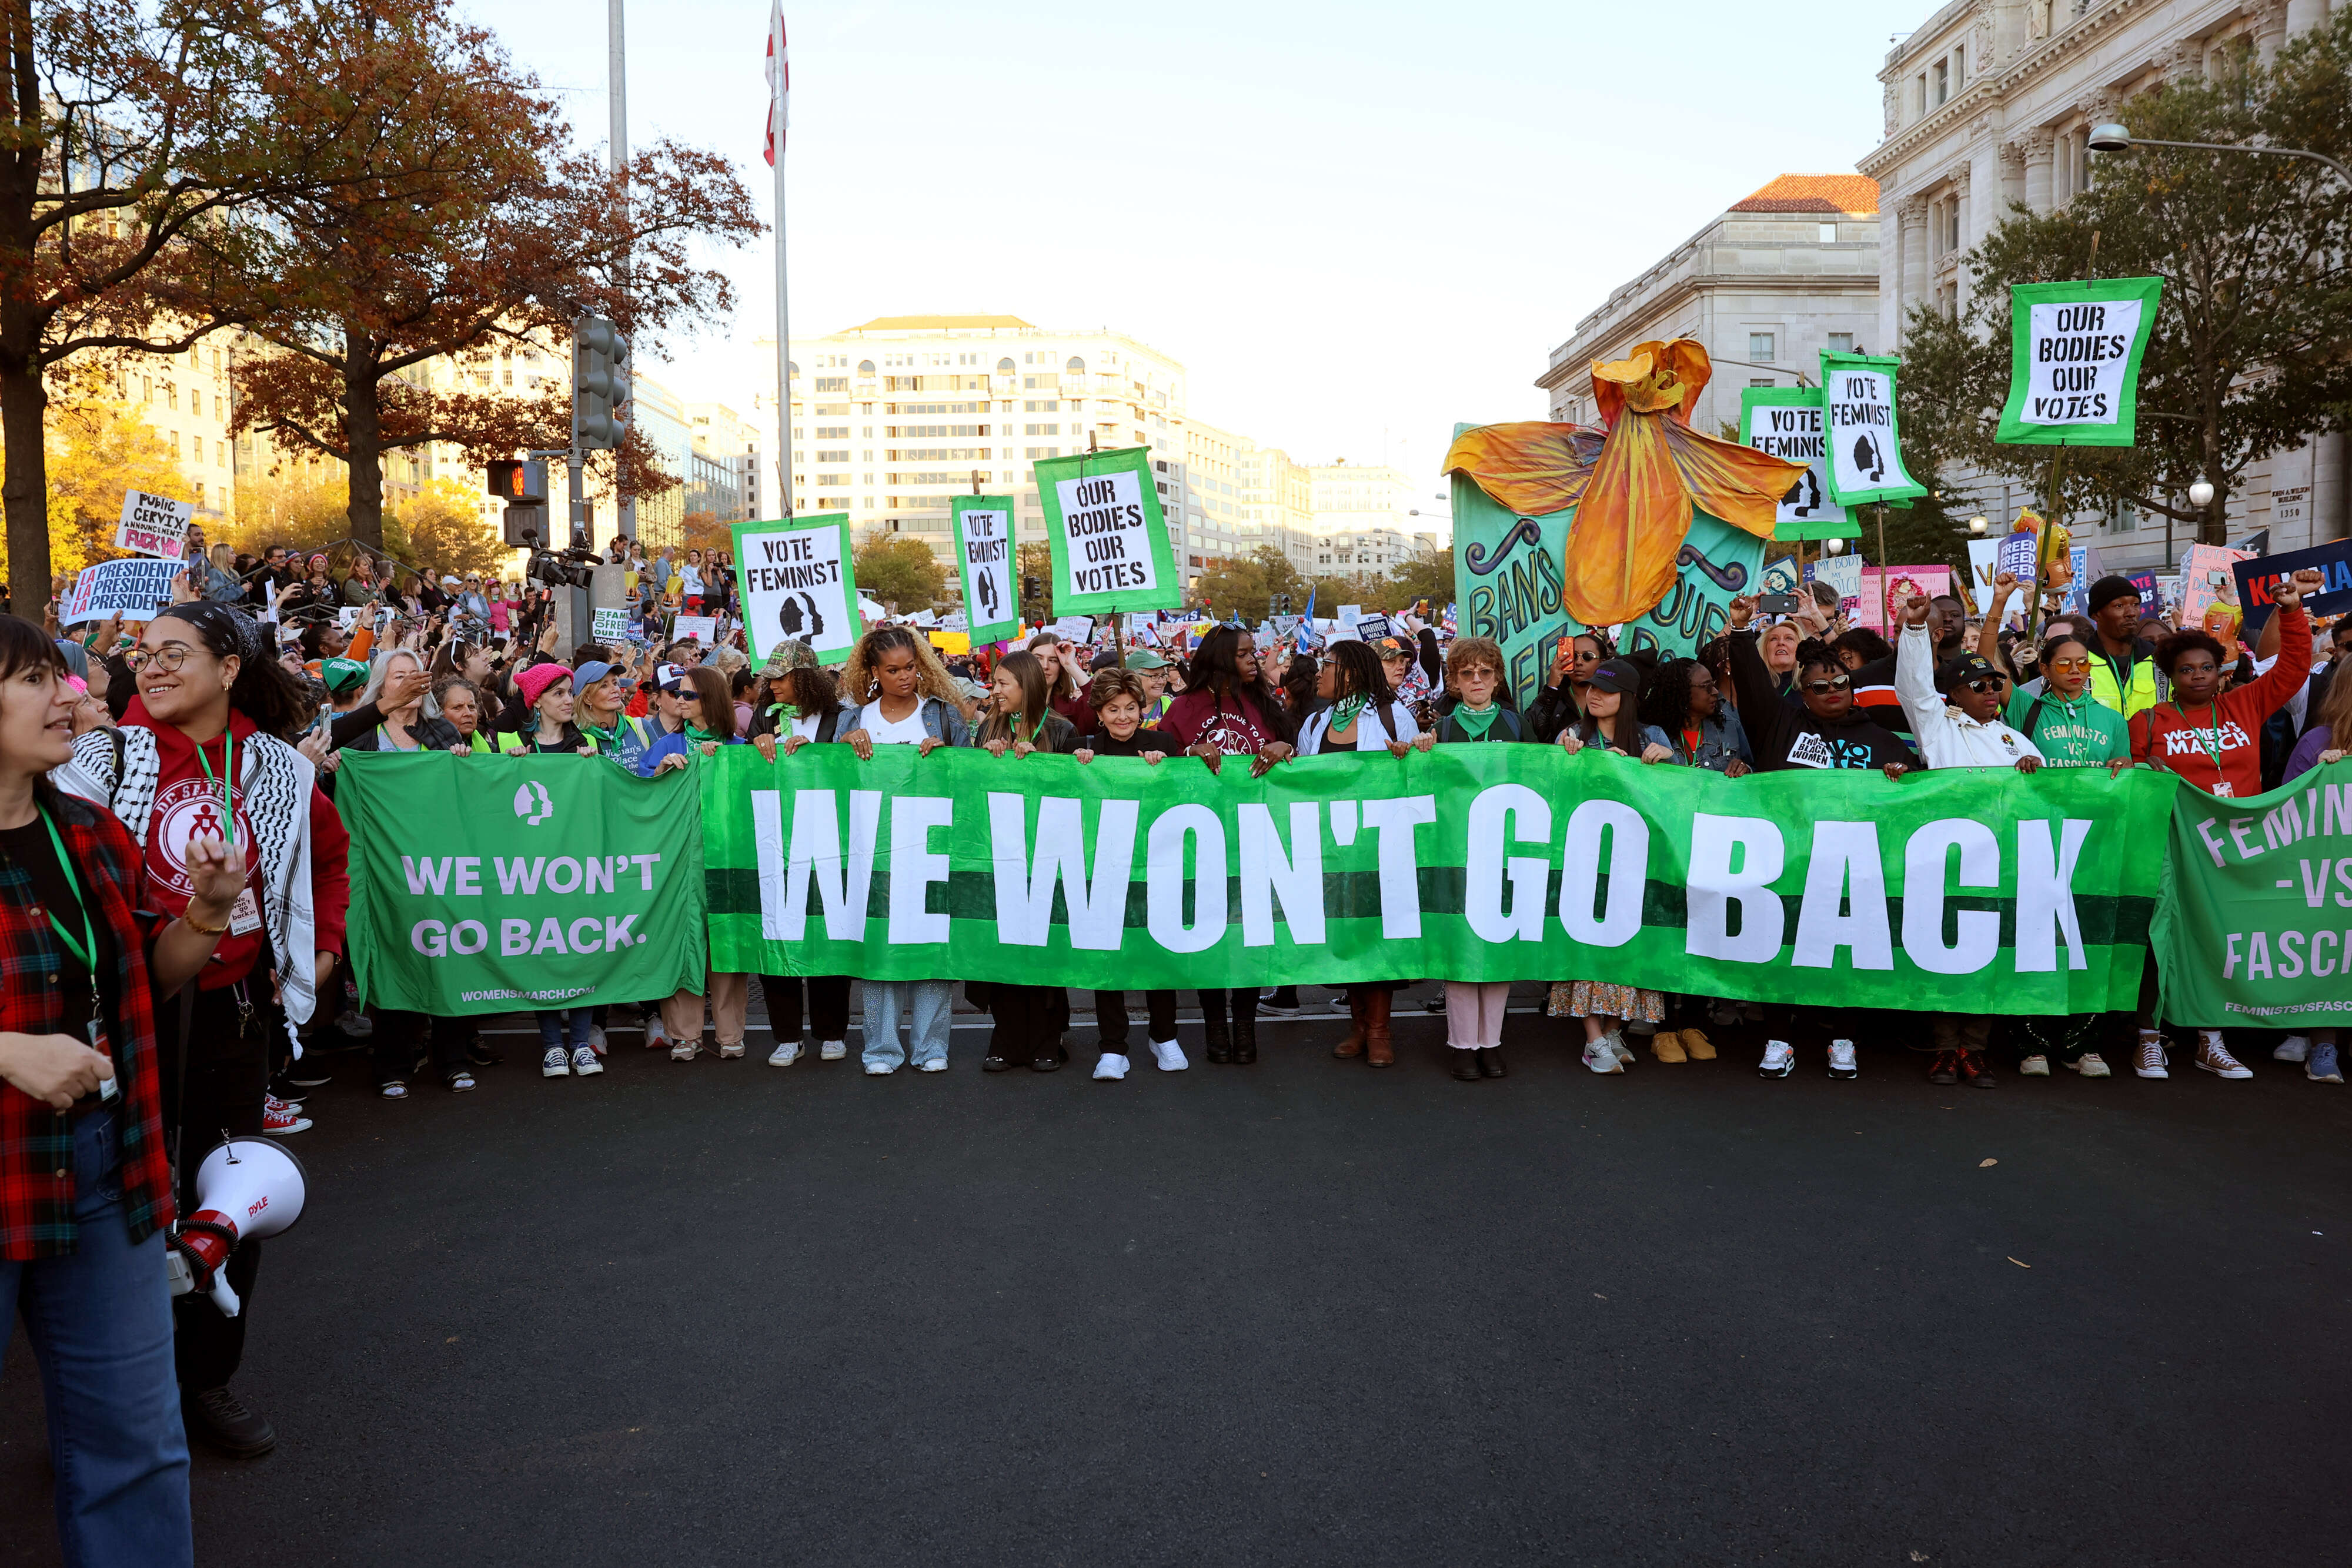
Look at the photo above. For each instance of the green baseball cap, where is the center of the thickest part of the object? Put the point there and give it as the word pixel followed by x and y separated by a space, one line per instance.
pixel 342 674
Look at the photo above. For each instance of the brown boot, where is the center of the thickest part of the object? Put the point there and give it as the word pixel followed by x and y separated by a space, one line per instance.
pixel 1354 1044
pixel 1378 1051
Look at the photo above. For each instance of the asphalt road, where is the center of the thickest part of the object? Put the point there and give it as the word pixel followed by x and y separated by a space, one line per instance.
pixel 1304 1313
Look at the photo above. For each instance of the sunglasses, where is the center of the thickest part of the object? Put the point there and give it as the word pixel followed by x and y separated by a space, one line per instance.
pixel 1834 683
pixel 1985 684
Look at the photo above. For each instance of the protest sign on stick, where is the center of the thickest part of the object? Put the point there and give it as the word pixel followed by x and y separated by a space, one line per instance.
pixel 2074 356
pixel 134 588
pixel 1107 534
pixel 799 584
pixel 983 545
pixel 153 525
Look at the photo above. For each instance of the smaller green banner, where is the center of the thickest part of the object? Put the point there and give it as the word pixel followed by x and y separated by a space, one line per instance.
pixel 800 585
pixel 1862 432
pixel 2074 360
pixel 985 562
pixel 2254 921
pixel 1786 422
pixel 1108 537
pixel 483 884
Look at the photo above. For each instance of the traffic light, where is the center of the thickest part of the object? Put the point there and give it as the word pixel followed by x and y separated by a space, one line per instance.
pixel 520 484
pixel 521 520
pixel 1030 588
pixel 600 384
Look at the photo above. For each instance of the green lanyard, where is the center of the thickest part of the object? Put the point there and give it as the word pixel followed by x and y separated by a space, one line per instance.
pixel 2212 746
pixel 227 772
pixel 85 952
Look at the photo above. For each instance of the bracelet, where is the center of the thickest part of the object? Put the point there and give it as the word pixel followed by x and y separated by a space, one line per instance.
pixel 188 918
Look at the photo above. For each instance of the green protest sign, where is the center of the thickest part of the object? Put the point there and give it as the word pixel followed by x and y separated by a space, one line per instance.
pixel 985 558
pixel 1862 432
pixel 1470 862
pixel 798 582
pixel 2254 927
pixel 1786 422
pixel 488 884
pixel 2075 351
pixel 1108 537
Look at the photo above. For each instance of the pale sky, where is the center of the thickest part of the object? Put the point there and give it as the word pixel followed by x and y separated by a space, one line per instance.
pixel 1354 223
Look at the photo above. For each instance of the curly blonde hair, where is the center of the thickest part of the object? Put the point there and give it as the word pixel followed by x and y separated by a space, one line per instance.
pixel 858 683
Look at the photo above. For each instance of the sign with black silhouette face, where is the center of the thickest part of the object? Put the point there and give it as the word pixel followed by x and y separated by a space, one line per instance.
pixel 984 558
pixel 799 585
pixel 1786 422
pixel 1864 443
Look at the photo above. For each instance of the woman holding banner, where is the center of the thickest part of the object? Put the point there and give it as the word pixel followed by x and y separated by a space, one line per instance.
pixel 1562 701
pixel 904 697
pixel 2324 743
pixel 707 716
pixel 1030 1019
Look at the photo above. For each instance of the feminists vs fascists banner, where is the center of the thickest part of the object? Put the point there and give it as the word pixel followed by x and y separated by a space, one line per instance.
pixel 1959 890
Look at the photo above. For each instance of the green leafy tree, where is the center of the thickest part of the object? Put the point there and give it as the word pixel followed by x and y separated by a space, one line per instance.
pixel 1427 573
pixel 1035 560
pixel 1245 585
pixel 899 572
pixel 2247 356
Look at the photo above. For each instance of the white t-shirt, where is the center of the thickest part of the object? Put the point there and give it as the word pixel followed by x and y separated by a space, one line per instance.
pixel 1371 730
pixel 908 731
pixel 805 725
pixel 691 578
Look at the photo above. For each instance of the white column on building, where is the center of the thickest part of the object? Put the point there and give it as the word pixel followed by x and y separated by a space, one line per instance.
pixel 2302 15
pixel 1911 220
pixel 1964 225
pixel 2331 506
pixel 2012 178
pixel 2271 25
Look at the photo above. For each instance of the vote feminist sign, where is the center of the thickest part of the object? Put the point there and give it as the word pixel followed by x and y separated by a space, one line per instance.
pixel 1109 538
pixel 1862 432
pixel 983 535
pixel 799 585
pixel 2075 358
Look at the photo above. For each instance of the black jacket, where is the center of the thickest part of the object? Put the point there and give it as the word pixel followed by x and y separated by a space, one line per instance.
pixel 1783 736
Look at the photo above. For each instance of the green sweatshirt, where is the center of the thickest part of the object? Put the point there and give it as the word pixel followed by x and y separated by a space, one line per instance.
pixel 2083 733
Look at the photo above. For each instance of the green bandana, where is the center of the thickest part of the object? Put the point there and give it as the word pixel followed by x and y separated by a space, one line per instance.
pixel 1343 714
pixel 1475 722
pixel 700 737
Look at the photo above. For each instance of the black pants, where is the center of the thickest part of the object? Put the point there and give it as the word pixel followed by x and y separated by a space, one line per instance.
pixel 1110 1017
pixel 1029 1022
pixel 1241 1003
pixel 399 1036
pixel 828 1006
pixel 227 1046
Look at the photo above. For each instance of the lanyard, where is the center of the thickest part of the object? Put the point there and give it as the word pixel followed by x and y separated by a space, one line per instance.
pixel 85 952
pixel 2212 745
pixel 227 772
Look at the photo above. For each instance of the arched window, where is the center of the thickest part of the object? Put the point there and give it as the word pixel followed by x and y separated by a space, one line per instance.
pixel 1004 366
pixel 864 367
pixel 1077 367
pixel 792 368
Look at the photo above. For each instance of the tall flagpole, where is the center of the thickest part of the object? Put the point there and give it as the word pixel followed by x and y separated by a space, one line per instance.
pixel 625 511
pixel 780 90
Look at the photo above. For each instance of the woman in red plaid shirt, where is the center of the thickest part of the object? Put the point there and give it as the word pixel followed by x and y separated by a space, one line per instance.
pixel 85 1188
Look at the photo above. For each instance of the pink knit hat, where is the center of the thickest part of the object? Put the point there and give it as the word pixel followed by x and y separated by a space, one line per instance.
pixel 534 682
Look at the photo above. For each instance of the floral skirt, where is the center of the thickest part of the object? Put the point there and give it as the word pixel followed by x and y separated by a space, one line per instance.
pixel 1586 999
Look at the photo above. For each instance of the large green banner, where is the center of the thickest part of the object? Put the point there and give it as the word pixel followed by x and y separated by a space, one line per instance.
pixel 2254 928
pixel 491 884
pixel 1971 891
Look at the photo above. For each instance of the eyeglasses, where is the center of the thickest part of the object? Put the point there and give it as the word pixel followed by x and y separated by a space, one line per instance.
pixel 2070 664
pixel 1834 683
pixel 166 659
pixel 1985 684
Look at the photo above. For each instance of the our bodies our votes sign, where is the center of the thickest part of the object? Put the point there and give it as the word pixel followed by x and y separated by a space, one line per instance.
pixel 2253 926
pixel 984 557
pixel 153 525
pixel 798 585
pixel 1786 422
pixel 1108 537
pixel 134 588
pixel 1861 431
pixel 2074 357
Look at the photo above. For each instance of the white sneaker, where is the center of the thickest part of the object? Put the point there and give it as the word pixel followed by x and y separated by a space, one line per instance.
pixel 1169 1055
pixel 1842 1060
pixel 936 1064
pixel 2151 1056
pixel 2035 1066
pixel 1600 1059
pixel 833 1051
pixel 597 1038
pixel 880 1070
pixel 1615 1040
pixel 729 1052
pixel 1110 1065
pixel 2294 1048
pixel 2090 1064
pixel 583 1061
pixel 1779 1058
pixel 787 1051
pixel 657 1035
pixel 685 1050
pixel 556 1063
pixel 2215 1058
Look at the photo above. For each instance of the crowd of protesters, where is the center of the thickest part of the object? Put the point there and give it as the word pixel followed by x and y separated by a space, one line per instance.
pixel 185 768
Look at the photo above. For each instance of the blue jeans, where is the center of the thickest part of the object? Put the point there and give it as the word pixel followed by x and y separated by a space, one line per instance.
pixel 932 1002
pixel 100 1321
pixel 552 1028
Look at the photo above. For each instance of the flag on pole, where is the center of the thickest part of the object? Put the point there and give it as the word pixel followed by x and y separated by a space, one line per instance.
pixel 780 84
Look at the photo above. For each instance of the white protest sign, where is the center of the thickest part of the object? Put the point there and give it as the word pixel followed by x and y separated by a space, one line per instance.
pixel 1843 572
pixel 1792 430
pixel 1078 629
pixel 1864 442
pixel 133 589
pixel 1984 564
pixel 153 525
pixel 703 629
pixel 348 616
pixel 1109 534
pixel 2078 357
pixel 796 582
pixel 1350 613
pixel 610 625
pixel 987 541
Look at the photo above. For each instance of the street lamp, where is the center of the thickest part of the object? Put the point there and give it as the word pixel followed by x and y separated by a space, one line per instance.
pixel 1979 524
pixel 1833 546
pixel 2200 494
pixel 2112 138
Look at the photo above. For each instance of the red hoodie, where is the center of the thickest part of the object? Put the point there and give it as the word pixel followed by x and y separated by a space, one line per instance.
pixel 187 802
pixel 2217 746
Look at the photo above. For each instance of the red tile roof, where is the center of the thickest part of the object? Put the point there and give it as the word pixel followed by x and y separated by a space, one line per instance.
pixel 1813 193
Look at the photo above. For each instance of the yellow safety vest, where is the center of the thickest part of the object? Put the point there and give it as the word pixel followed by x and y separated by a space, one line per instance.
pixel 2136 690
